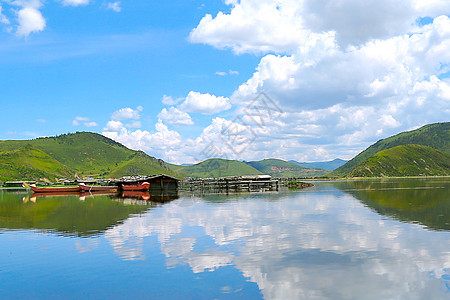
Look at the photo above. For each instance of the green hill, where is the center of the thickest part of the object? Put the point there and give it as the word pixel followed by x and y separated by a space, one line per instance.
pixel 29 162
pixel 281 168
pixel 82 153
pixel 215 167
pixel 327 165
pixel 405 160
pixel 436 136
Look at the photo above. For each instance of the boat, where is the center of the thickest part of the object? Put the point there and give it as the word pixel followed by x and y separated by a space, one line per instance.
pixel 61 189
pixel 135 187
pixel 97 188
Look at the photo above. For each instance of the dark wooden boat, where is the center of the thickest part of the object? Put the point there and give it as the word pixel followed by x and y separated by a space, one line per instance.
pixel 97 188
pixel 62 189
pixel 134 187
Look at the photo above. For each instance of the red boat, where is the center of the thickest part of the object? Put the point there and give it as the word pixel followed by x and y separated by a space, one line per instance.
pixel 134 187
pixel 97 188
pixel 62 189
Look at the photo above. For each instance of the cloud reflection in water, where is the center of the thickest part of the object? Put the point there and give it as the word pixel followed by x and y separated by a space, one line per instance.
pixel 322 244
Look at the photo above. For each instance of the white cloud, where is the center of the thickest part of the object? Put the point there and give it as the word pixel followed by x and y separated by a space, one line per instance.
pixel 127 114
pixel 3 18
pixel 83 121
pixel 134 124
pixel 29 20
pixel 113 126
pixel 42 120
pixel 204 103
pixel 115 6
pixel 90 124
pixel 230 72
pixel 168 100
pixel 175 116
pixel 286 25
pixel 158 143
pixel 75 2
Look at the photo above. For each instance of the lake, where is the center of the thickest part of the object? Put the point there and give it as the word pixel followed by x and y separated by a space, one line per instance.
pixel 377 239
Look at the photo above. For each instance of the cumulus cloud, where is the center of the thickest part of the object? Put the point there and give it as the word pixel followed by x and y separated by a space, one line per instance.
pixel 127 114
pixel 281 26
pixel 29 20
pixel 158 143
pixel 349 73
pixel 175 116
pixel 204 103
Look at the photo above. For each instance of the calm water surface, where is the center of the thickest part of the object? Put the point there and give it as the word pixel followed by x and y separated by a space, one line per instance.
pixel 385 239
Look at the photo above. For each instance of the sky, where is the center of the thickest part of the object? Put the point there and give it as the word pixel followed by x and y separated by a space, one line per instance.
pixel 305 80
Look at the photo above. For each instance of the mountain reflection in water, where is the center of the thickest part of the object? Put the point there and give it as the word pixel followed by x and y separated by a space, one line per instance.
pixel 76 214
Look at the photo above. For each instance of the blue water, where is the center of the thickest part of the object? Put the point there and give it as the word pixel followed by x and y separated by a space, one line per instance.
pixel 334 241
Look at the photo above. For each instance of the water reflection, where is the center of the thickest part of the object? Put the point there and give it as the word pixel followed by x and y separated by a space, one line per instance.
pixel 338 240
pixel 421 201
pixel 321 244
pixel 73 214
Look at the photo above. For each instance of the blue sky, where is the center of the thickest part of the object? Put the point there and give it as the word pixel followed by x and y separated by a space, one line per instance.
pixel 172 77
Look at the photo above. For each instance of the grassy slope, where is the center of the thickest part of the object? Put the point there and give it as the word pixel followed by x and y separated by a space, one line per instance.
pixel 435 135
pixel 215 168
pixel 86 154
pixel 405 160
pixel 281 168
pixel 29 162
pixel 141 164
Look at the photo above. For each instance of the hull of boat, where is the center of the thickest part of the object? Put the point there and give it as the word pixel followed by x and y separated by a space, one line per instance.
pixel 142 187
pixel 87 188
pixel 55 189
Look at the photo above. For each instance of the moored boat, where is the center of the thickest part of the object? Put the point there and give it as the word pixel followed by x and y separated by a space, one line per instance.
pixel 136 187
pixel 60 189
pixel 97 188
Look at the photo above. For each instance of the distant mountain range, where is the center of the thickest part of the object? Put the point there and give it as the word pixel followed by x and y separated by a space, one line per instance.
pixel 281 168
pixel 215 167
pixel 326 165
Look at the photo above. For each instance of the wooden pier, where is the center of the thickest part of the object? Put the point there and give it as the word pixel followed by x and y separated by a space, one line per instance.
pixel 259 183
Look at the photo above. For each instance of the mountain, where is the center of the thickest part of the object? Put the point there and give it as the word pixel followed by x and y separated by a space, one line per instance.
pixel 281 168
pixel 326 165
pixel 405 160
pixel 215 167
pixel 435 135
pixel 81 153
